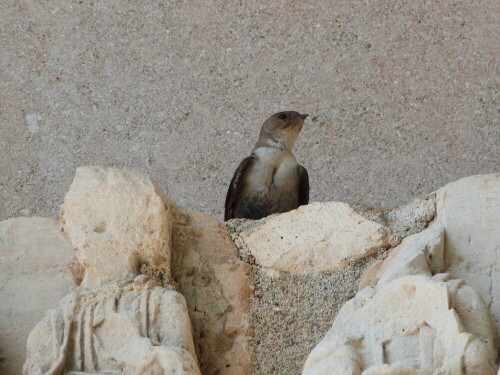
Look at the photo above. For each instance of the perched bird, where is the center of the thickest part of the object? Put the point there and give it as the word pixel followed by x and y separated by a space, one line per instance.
pixel 270 180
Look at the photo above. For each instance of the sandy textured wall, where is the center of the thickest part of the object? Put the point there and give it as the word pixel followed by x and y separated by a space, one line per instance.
pixel 403 95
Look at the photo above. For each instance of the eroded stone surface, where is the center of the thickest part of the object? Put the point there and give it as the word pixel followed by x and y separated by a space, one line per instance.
pixel 119 217
pixel 130 326
pixel 313 239
pixel 463 241
pixel 34 257
pixel 469 210
pixel 216 285
pixel 117 321
pixel 410 324
pixel 407 288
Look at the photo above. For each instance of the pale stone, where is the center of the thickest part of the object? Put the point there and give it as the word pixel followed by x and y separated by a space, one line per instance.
pixel 129 327
pixel 464 241
pixel 421 253
pixel 396 370
pixel 119 217
pixel 34 257
pixel 411 325
pixel 313 239
pixel 117 321
pixel 469 210
pixel 216 285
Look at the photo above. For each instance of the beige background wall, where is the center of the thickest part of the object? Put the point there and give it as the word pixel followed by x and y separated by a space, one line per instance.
pixel 403 95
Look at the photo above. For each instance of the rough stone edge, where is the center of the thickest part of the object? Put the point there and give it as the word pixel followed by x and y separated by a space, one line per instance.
pixel 394 219
pixel 184 217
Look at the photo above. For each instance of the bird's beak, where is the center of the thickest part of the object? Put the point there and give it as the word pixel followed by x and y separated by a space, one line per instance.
pixel 304 115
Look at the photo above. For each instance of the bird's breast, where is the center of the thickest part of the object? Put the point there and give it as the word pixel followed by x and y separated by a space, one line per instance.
pixel 286 174
pixel 274 172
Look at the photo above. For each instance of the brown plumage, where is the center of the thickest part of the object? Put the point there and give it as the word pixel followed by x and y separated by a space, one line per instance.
pixel 270 180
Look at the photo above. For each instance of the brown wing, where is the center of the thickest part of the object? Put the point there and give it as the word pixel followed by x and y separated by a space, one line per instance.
pixel 235 187
pixel 303 186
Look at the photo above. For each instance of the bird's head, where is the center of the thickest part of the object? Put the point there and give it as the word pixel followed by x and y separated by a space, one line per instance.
pixel 282 129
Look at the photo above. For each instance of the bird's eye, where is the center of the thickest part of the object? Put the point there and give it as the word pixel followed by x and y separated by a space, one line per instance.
pixel 282 116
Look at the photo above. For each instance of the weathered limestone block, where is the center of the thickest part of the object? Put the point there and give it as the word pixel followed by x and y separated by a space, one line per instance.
pixel 463 241
pixel 116 321
pixel 216 285
pixel 34 258
pixel 411 325
pixel 469 210
pixel 314 239
pixel 131 327
pixel 108 213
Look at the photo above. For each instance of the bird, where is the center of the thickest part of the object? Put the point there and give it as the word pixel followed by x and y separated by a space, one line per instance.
pixel 270 180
